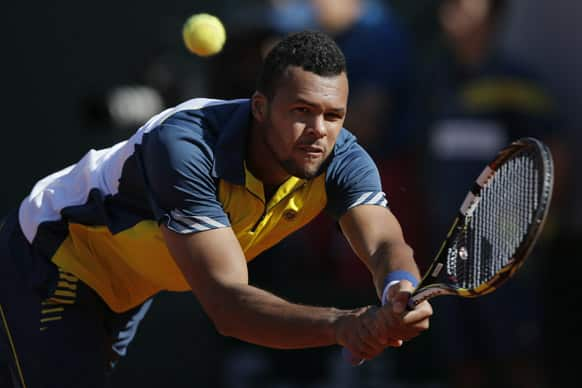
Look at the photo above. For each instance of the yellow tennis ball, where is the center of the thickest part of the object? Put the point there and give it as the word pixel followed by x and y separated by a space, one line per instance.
pixel 204 34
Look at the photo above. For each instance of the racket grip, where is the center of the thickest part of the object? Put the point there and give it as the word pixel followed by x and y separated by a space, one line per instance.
pixel 410 305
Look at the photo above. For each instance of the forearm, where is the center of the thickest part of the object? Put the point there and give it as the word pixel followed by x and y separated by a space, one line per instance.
pixel 257 316
pixel 389 258
pixel 376 237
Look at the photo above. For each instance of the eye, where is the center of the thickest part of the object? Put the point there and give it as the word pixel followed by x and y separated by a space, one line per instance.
pixel 333 116
pixel 301 109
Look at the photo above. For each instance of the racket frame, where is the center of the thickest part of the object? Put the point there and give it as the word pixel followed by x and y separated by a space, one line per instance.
pixel 430 286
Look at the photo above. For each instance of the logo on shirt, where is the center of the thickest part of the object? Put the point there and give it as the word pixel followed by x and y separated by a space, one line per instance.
pixel 289 214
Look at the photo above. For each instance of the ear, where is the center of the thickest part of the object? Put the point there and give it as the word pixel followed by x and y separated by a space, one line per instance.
pixel 259 106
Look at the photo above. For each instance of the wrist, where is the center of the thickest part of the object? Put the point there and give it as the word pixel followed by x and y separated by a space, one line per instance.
pixel 343 324
pixel 395 277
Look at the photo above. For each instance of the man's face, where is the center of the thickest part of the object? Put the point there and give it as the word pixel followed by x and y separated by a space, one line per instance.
pixel 303 120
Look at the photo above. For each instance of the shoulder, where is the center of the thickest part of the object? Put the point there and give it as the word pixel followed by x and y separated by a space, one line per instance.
pixel 348 155
pixel 352 177
pixel 351 168
pixel 199 115
pixel 197 124
pixel 198 140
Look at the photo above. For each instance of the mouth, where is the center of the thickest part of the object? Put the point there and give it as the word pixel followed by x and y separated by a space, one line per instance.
pixel 311 150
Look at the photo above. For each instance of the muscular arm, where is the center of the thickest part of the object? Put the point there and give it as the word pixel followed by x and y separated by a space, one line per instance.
pixel 376 237
pixel 215 267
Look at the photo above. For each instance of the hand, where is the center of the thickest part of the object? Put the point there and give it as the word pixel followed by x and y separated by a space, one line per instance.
pixel 361 333
pixel 401 323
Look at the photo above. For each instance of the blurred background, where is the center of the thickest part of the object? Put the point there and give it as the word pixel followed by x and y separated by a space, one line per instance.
pixel 436 87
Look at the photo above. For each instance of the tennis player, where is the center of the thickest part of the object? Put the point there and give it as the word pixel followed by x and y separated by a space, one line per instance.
pixel 184 204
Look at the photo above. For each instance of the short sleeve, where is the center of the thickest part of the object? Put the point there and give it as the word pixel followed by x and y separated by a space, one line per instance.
pixel 177 159
pixel 352 179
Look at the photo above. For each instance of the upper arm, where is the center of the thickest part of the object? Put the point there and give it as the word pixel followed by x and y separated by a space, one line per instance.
pixel 211 261
pixel 352 179
pixel 177 164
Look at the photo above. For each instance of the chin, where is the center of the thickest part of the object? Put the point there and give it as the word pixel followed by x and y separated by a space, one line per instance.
pixel 304 168
pixel 307 174
pixel 306 171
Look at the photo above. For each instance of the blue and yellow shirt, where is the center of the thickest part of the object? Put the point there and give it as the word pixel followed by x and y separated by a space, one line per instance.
pixel 99 218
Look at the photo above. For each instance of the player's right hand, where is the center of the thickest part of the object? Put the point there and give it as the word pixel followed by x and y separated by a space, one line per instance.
pixel 400 322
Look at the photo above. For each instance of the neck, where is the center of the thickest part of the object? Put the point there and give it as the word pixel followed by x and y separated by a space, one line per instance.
pixel 260 159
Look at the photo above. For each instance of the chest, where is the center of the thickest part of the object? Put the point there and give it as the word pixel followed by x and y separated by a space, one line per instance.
pixel 259 223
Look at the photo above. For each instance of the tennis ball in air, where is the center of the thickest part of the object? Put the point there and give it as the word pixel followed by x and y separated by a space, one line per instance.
pixel 204 34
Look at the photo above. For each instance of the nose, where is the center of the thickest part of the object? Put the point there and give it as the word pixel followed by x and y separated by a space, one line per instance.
pixel 317 127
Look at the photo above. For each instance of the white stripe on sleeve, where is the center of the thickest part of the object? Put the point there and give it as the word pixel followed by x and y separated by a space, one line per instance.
pixel 209 221
pixel 361 199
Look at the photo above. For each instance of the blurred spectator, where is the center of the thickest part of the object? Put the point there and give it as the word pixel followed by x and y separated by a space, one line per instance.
pixel 476 100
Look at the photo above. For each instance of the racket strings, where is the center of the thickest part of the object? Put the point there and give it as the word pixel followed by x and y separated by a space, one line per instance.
pixel 489 237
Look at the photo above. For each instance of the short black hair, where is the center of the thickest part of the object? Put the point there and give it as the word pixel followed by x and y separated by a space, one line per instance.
pixel 313 51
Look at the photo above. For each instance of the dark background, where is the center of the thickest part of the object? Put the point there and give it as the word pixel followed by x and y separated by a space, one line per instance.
pixel 55 57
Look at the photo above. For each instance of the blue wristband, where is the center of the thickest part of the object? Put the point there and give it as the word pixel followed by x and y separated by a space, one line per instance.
pixel 400 275
pixel 394 277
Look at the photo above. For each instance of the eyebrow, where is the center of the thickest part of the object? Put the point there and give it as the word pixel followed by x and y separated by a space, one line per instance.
pixel 303 101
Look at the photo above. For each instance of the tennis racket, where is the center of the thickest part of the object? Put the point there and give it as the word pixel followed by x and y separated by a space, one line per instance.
pixel 496 228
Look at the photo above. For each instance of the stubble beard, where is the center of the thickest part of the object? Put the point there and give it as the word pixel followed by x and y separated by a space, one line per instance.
pixel 291 167
pixel 306 172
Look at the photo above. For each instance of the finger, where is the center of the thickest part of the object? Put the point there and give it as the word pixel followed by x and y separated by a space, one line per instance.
pixel 399 295
pixel 400 301
pixel 377 329
pixel 362 351
pixel 422 312
pixel 366 356
pixel 410 331
pixel 370 353
pixel 359 349
pixel 367 328
pixel 382 331
pixel 395 343
pixel 371 343
pixel 387 321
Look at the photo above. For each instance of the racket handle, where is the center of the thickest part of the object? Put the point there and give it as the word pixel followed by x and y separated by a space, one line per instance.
pixel 417 298
pixel 411 304
pixel 351 358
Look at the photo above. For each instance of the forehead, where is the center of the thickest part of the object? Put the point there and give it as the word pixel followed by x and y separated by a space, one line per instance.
pixel 298 84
